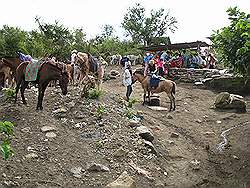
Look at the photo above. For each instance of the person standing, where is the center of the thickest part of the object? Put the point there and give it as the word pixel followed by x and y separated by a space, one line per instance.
pixel 146 60
pixel 127 80
pixel 211 61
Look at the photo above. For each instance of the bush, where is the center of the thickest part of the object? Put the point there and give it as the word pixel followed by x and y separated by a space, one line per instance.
pixel 94 94
pixel 6 128
pixel 100 110
pixel 9 93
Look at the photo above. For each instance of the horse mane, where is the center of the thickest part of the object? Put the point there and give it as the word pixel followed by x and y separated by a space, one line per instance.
pixel 58 65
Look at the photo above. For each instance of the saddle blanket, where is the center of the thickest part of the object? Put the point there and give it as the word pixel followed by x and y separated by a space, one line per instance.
pixel 154 82
pixel 32 70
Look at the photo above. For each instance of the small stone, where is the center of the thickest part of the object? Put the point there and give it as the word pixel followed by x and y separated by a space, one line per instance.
pixel 198 121
pixel 171 142
pixel 235 157
pixel 174 135
pixel 60 110
pixel 134 123
pixel 50 135
pixel 120 152
pixel 25 130
pixel 218 121
pixel 165 173
pixel 4 175
pixel 170 117
pixel 31 156
pixel 151 146
pixel 76 171
pixel 47 129
pixel 98 168
pixel 195 164
pixel 209 133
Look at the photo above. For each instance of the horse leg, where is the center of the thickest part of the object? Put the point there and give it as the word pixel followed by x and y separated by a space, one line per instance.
pixel 17 88
pixel 173 98
pixel 24 85
pixel 170 96
pixel 148 97
pixel 144 98
pixel 41 90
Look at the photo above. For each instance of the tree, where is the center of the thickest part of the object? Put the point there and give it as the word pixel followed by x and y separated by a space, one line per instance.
pixel 57 39
pixel 145 30
pixel 12 39
pixel 232 43
pixel 107 31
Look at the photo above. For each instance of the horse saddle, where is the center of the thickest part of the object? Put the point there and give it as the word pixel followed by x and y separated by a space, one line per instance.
pixel 154 81
pixel 32 70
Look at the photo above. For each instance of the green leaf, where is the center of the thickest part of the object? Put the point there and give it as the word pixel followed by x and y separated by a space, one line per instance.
pixel 6 149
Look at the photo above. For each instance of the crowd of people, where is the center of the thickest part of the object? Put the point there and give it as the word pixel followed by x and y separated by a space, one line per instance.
pixel 160 62
pixel 157 64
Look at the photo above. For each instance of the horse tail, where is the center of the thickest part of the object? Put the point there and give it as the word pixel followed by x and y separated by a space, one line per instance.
pixel 173 88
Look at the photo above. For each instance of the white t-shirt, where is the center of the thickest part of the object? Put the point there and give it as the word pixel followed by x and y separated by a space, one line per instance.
pixel 127 79
pixel 73 56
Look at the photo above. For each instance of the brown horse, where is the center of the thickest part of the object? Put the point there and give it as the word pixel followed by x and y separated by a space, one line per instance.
pixel 12 63
pixel 167 86
pixel 48 71
pixel 90 65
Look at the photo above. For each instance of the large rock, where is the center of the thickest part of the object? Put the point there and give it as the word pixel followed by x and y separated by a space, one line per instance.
pixel 231 84
pixel 226 100
pixel 145 133
pixel 123 181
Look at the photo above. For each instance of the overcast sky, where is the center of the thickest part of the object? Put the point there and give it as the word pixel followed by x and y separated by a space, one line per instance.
pixel 196 18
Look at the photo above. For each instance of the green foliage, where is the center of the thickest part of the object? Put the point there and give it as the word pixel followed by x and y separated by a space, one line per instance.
pixel 6 149
pixel 130 113
pixel 100 110
pixel 131 102
pixel 12 39
pixel 148 30
pixel 232 43
pixel 94 93
pixel 6 128
pixel 9 93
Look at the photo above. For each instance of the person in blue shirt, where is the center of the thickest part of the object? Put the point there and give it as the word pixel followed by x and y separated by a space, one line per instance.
pixel 146 60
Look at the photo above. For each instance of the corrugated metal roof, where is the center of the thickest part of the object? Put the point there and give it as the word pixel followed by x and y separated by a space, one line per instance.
pixel 176 46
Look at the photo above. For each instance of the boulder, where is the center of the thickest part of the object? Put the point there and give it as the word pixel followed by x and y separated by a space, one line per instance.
pixel 145 133
pixel 226 100
pixel 123 181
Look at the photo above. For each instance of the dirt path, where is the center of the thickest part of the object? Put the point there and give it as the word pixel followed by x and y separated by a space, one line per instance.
pixel 186 141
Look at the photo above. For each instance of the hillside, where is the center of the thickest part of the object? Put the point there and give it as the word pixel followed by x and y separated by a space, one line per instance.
pixel 184 152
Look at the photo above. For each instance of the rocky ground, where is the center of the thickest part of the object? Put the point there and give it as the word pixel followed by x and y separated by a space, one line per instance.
pixel 70 144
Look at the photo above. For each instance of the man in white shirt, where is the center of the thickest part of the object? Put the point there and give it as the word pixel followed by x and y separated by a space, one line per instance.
pixel 127 80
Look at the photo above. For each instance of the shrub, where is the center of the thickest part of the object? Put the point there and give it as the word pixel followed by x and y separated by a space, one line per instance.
pixel 9 93
pixel 6 128
pixel 100 110
pixel 94 94
pixel 131 102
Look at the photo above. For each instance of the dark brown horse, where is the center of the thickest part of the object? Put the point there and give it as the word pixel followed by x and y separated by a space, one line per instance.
pixel 48 71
